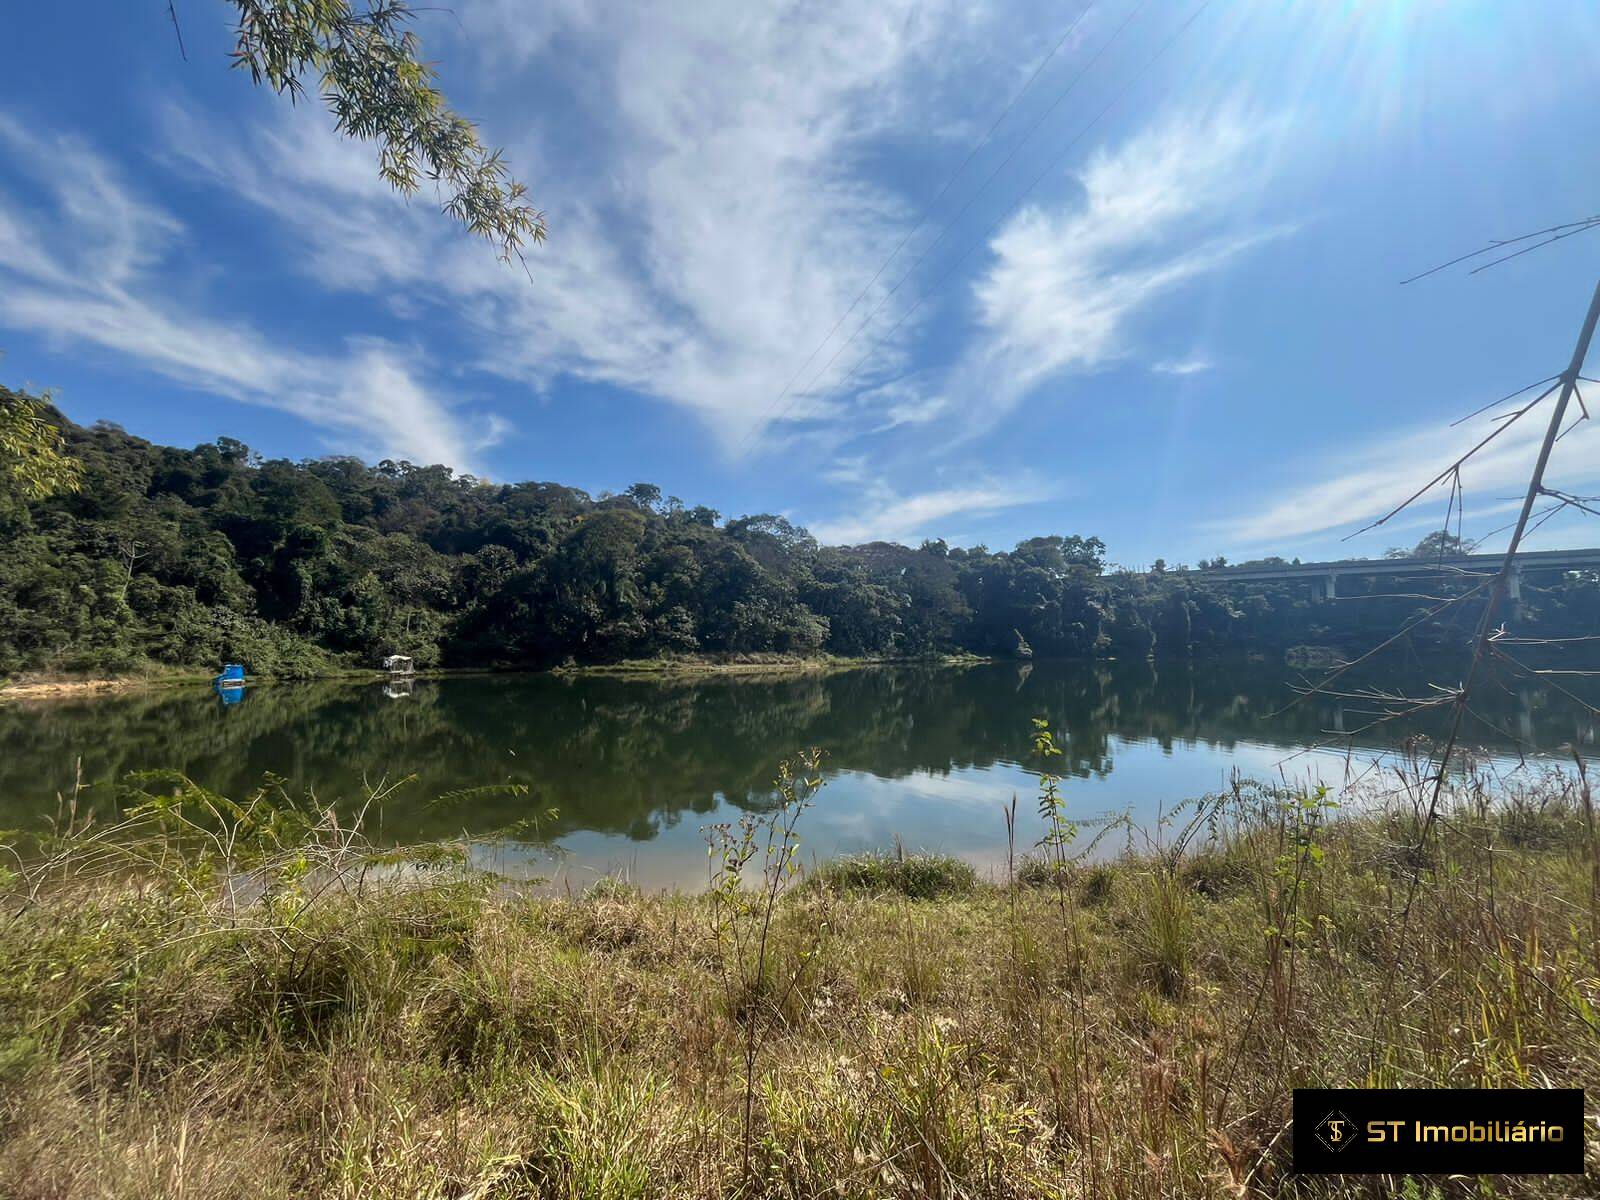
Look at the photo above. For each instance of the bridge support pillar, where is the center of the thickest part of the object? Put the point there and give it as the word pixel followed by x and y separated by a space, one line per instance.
pixel 1325 587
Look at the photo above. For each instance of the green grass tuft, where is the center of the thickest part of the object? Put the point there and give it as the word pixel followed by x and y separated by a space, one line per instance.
pixel 917 876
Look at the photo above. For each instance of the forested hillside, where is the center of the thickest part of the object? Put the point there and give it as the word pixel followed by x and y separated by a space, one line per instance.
pixel 192 557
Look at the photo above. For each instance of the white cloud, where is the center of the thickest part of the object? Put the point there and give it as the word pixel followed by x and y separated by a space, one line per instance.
pixel 713 230
pixel 1066 284
pixel 101 233
pixel 1362 484
pixel 882 514
pixel 1184 366
pixel 81 266
pixel 849 471
pixel 912 400
pixel 510 33
pixel 713 211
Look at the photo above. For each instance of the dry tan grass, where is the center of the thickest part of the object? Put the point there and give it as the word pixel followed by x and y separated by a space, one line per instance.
pixel 1135 1034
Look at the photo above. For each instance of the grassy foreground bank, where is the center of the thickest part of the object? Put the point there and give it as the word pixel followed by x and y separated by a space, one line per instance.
pixel 330 1019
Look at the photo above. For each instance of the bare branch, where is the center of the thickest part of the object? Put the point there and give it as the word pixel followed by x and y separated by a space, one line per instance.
pixel 1507 421
pixel 1581 226
pixel 1509 396
pixel 172 12
pixel 1536 246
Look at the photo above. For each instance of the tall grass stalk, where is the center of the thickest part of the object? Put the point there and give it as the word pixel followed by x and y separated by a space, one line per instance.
pixel 214 999
pixel 742 918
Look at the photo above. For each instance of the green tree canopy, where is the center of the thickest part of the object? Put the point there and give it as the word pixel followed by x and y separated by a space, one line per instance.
pixel 191 557
pixel 33 459
pixel 1441 543
pixel 375 83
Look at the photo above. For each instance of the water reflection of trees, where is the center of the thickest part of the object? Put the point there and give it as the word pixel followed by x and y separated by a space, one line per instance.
pixel 625 757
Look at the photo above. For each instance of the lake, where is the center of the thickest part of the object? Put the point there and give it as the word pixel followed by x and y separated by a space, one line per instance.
pixel 636 767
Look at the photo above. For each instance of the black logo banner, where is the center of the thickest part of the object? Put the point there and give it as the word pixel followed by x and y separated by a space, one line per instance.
pixel 1467 1131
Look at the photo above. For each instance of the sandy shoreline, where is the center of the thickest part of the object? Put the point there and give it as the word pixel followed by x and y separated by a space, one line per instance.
pixel 28 689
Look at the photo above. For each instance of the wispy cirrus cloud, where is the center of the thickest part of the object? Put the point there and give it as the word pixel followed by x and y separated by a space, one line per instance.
pixel 1363 483
pixel 880 513
pixel 80 265
pixel 717 223
pixel 723 227
pixel 1194 365
pixel 1068 282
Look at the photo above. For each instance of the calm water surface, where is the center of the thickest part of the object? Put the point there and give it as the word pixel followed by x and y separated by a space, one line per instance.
pixel 635 768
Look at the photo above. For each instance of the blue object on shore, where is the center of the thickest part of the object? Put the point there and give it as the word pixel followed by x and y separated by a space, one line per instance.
pixel 232 676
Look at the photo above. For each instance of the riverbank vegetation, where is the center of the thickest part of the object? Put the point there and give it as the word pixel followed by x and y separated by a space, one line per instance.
pixel 212 1000
pixel 166 558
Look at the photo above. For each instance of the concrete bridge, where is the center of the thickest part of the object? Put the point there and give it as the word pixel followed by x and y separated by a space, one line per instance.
pixel 1470 568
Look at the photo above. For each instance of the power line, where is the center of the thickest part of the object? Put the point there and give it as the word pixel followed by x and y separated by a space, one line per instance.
pixel 971 154
pixel 1026 192
pixel 1583 228
pixel 1576 227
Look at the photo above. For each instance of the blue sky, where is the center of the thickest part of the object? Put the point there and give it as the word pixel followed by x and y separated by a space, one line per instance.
pixel 1161 307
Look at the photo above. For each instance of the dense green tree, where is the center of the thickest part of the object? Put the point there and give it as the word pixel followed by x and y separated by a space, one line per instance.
pixel 191 557
pixel 1441 543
